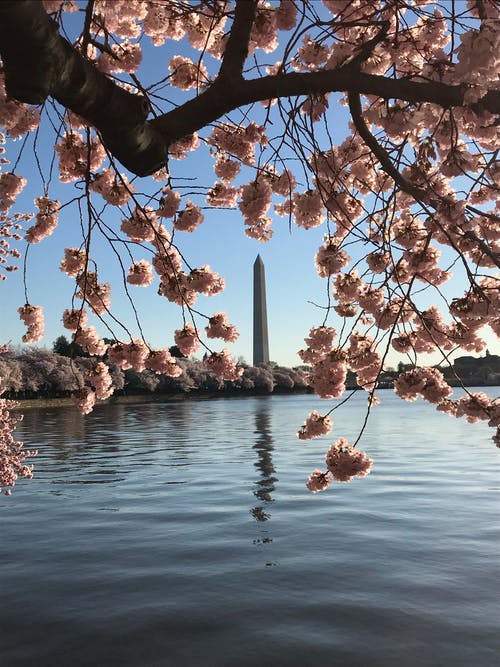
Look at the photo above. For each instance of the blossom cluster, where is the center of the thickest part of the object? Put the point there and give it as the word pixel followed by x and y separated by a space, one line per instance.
pixel 116 190
pixel 76 158
pixel 15 117
pixel 187 339
pixel 344 462
pixel 12 453
pixel 46 220
pixel 426 382
pixel 96 294
pixel 219 327
pixel 88 339
pixel 315 425
pixel 223 365
pixel 140 273
pixel 9 234
pixel 11 185
pixel 32 316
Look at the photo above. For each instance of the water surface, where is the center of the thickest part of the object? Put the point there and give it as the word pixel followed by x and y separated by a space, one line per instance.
pixel 181 534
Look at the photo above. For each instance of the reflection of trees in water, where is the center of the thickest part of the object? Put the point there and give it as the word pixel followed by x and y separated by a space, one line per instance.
pixel 53 426
pixel 264 464
pixel 94 441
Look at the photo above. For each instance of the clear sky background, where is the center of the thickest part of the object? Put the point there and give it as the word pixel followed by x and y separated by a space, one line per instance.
pixel 292 281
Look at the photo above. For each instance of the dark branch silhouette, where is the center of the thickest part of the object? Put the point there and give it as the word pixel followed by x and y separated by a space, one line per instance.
pixel 48 65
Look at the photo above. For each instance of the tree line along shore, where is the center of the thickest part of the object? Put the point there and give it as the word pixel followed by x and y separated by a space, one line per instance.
pixel 34 373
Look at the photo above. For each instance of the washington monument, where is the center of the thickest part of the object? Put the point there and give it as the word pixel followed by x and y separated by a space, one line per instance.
pixel 260 337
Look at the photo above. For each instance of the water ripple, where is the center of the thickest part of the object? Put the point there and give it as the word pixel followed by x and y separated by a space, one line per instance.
pixel 182 535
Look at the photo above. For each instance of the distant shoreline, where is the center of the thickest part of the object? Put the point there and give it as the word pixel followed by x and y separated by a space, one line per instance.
pixel 63 402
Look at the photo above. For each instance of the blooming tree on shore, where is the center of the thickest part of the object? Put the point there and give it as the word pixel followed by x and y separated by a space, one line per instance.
pixel 12 452
pixel 406 198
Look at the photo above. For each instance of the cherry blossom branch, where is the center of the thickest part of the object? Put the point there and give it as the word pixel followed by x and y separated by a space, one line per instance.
pixel 416 192
pixel 217 100
pixel 356 114
pixel 49 65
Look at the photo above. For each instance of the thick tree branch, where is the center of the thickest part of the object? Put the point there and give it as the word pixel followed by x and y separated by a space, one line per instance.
pixel 38 62
pixel 47 64
pixel 219 100
pixel 236 50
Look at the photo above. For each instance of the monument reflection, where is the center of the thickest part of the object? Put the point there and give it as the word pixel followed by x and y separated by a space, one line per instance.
pixel 265 485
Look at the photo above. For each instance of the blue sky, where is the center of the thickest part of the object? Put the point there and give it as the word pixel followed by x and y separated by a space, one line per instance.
pixel 292 282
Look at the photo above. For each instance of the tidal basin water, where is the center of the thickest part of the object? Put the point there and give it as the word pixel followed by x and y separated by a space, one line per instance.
pixel 181 534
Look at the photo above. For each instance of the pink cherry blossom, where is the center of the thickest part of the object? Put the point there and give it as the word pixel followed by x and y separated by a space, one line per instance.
pixel 179 149
pixel 187 339
pixel 206 281
pixel 311 54
pixel 222 196
pixel 10 186
pixel 74 262
pixel 315 106
pixel 378 261
pixel 12 454
pixel 32 316
pixel 101 380
pixel 117 191
pixel 94 293
pixel 226 169
pixel 260 229
pixel 476 406
pixel 264 35
pixel 238 141
pixel 74 319
pixel 178 289
pixel 124 57
pixel 89 340
pixel 169 203
pixel 168 264
pixel 84 400
pixel 15 117
pixel 161 361
pixel 219 327
pixel 426 382
pixel 318 481
pixel 315 426
pixel 186 74
pixel 286 15
pixel 329 374
pixel 319 344
pixel 189 218
pixel 345 462
pixel 308 209
pixel 330 259
pixel 283 184
pixel 46 220
pixel 140 273
pixel 255 200
pixel 129 355
pixel 141 225
pixel 74 153
pixel 223 365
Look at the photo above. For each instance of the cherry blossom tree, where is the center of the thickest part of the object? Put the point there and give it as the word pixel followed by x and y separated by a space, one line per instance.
pixel 407 198
pixel 12 452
